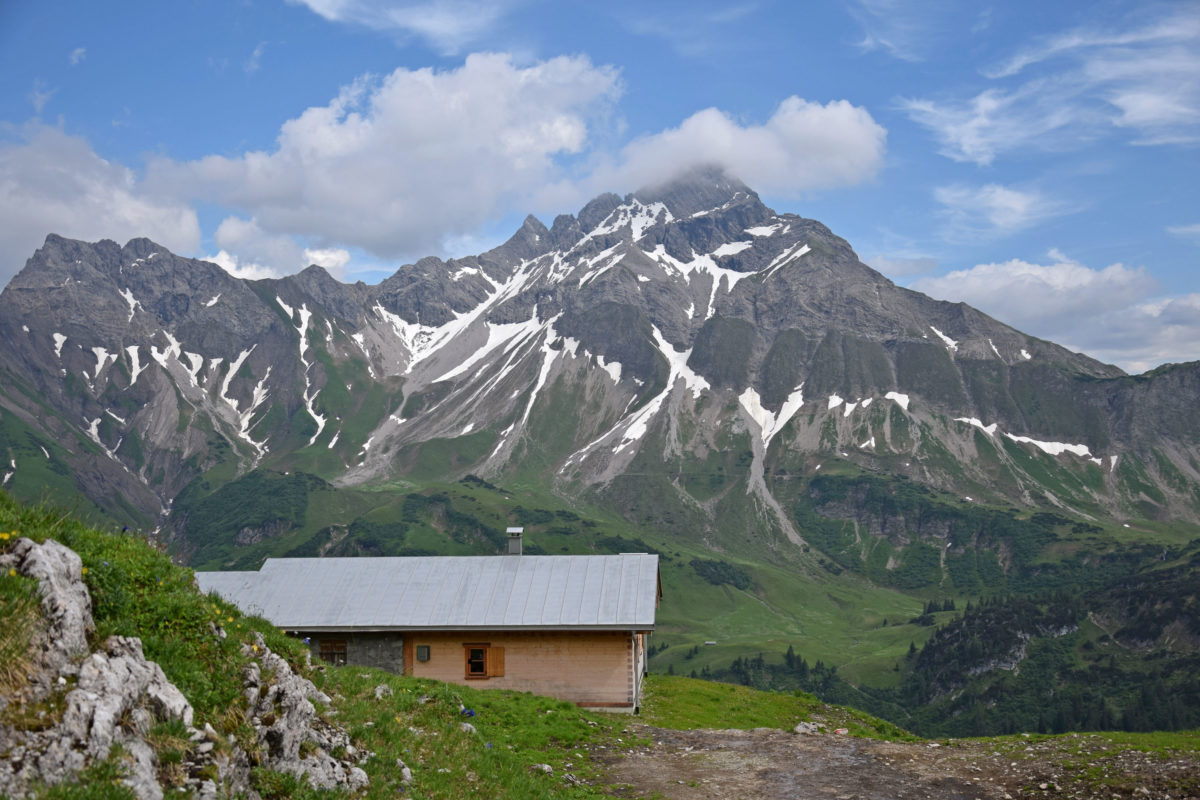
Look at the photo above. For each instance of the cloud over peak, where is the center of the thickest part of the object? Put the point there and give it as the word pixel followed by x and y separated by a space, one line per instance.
pixel 804 146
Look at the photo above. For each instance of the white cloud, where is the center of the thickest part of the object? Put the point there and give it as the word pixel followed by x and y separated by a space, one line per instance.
pixel 804 146
pixel 991 210
pixel 1180 27
pixel 1186 231
pixel 333 259
pixel 251 245
pixel 249 271
pixel 394 165
pixel 1111 313
pixel 51 182
pixel 77 55
pixel 449 25
pixel 1079 86
pixel 996 121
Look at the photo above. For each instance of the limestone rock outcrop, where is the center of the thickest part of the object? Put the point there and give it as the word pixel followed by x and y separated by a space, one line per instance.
pixel 78 705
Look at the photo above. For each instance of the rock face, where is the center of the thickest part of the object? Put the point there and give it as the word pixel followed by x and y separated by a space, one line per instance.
pixel 114 696
pixel 66 606
pixel 645 333
pixel 295 740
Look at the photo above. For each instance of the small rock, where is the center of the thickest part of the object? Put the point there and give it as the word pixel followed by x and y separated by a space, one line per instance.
pixel 466 727
pixel 545 768
pixel 382 691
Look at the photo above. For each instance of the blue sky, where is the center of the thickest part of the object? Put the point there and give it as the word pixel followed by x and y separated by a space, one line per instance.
pixel 1037 160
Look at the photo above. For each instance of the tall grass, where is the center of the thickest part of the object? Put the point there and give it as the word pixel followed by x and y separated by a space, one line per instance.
pixel 21 612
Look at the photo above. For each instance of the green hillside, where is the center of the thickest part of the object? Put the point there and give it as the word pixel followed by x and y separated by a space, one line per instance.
pixel 517 737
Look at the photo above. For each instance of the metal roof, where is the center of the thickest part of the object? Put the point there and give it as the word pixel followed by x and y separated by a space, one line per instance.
pixel 615 592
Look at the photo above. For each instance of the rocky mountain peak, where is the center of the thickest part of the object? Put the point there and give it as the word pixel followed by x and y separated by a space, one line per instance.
pixel 597 211
pixel 700 189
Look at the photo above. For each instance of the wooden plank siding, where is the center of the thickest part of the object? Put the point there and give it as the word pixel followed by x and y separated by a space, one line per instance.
pixel 590 668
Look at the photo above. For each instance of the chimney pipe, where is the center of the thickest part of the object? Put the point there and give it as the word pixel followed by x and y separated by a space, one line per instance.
pixel 514 541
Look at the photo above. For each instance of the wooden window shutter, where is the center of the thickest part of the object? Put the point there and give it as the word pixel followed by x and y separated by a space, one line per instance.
pixel 496 662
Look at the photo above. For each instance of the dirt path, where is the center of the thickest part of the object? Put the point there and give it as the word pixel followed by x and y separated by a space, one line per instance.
pixel 768 764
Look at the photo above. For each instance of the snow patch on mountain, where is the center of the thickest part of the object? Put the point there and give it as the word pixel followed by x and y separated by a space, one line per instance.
pixel 195 362
pixel 136 366
pixel 310 394
pixel 679 368
pixel 102 357
pixel 732 248
pixel 133 303
pixel 497 335
pixel 173 348
pixel 950 343
pixel 899 399
pixel 700 265
pixel 635 214
pixel 613 368
pixel 1053 448
pixel 785 258
pixel 59 341
pixel 635 426
pixel 770 423
pixel 549 356
pixel 990 430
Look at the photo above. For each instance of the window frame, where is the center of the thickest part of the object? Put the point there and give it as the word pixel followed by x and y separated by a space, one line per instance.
pixel 467 648
pixel 493 661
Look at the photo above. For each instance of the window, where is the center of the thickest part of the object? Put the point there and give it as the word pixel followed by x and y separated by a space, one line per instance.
pixel 483 660
pixel 422 652
pixel 333 651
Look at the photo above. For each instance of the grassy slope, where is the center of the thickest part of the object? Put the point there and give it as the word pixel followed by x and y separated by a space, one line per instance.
pixel 137 591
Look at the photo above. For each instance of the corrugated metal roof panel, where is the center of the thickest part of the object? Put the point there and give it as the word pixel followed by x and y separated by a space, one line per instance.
pixel 447 592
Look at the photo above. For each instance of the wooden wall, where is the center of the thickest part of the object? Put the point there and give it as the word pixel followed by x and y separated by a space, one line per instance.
pixel 590 668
